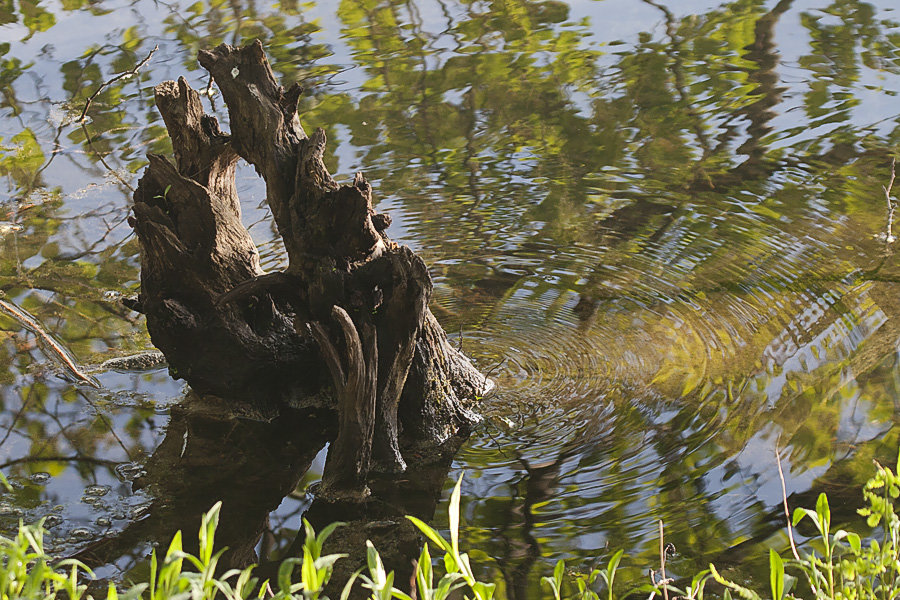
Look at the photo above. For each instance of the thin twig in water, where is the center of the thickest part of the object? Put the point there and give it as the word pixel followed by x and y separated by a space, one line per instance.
pixel 662 562
pixel 87 137
pixel 787 512
pixel 32 325
pixel 114 79
pixel 108 422
pixel 19 414
pixel 487 378
pixel 889 234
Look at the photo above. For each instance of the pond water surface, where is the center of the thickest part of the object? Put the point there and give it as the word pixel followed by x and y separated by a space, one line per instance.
pixel 659 225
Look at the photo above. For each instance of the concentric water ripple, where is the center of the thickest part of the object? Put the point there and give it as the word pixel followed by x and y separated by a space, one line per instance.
pixel 613 365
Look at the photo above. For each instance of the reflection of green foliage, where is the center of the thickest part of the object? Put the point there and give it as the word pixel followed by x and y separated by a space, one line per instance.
pixel 7 12
pixel 842 50
pixel 35 17
pixel 284 32
pixel 21 158
pixel 667 185
pixel 10 70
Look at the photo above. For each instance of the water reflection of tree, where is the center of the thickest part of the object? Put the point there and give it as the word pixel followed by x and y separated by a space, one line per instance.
pixel 662 174
pixel 70 263
pixel 689 117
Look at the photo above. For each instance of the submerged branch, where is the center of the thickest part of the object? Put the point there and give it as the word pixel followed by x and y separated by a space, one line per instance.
pixel 56 349
pixel 889 233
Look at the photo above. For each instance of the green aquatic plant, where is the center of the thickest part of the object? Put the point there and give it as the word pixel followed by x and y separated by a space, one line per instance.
pixel 835 566
pixel 838 565
pixel 26 570
pixel 456 563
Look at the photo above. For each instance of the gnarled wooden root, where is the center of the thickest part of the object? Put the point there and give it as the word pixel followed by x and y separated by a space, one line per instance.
pixel 232 330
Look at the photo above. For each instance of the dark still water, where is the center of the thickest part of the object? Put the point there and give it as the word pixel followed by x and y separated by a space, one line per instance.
pixel 658 224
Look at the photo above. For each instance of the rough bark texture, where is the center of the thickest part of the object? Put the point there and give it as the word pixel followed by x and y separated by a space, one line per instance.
pixel 354 383
pixel 350 303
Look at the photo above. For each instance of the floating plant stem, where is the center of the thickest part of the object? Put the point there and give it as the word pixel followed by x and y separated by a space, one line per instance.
pixel 54 347
pixel 889 234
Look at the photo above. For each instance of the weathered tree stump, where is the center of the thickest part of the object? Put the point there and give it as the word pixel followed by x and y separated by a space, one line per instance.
pixel 351 303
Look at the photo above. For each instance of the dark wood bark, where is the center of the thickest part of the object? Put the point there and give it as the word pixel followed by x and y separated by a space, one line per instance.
pixel 347 463
pixel 350 303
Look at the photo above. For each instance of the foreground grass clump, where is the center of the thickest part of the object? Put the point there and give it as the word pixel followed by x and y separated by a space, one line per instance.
pixel 835 566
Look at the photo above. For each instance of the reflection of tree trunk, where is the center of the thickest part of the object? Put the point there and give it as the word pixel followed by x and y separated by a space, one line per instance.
pixel 210 455
pixel 761 52
pixel 540 483
pixel 381 519
pixel 207 456
pixel 677 68
pixel 232 330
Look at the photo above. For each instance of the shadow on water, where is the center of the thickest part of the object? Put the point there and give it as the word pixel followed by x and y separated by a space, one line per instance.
pixel 659 225
pixel 209 455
